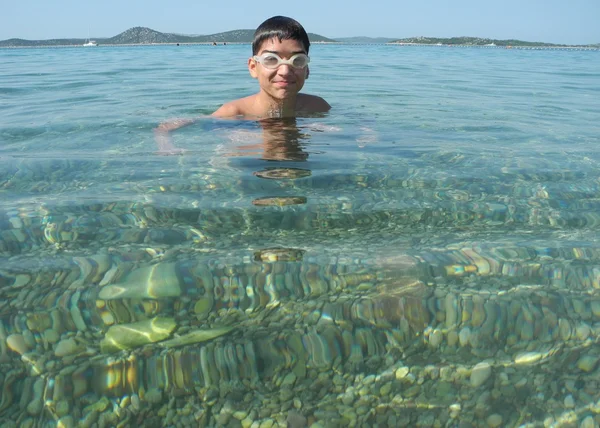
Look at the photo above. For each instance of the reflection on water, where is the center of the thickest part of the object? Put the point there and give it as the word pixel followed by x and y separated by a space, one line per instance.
pixel 282 173
pixel 297 273
pixel 280 201
pixel 282 140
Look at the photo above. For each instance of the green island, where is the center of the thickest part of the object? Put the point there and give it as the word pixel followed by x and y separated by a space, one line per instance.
pixel 147 36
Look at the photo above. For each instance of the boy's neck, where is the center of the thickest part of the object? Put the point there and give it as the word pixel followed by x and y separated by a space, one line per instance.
pixel 276 108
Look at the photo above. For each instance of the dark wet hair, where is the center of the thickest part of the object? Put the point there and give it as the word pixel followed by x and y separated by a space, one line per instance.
pixel 283 28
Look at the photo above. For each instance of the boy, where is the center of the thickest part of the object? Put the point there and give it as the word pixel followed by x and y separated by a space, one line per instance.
pixel 280 64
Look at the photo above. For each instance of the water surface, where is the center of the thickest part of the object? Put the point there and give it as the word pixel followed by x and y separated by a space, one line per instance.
pixel 426 253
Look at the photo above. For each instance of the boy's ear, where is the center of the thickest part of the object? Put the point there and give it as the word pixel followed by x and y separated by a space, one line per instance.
pixel 307 72
pixel 252 68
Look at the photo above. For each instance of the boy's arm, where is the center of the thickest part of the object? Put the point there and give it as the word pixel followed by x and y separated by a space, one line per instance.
pixel 173 124
pixel 163 139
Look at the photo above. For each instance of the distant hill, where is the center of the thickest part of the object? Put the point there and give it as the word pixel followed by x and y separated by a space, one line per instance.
pixel 143 35
pixel 16 43
pixel 470 41
pixel 137 35
pixel 364 40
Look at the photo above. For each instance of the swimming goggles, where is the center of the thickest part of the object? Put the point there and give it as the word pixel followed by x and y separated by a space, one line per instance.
pixel 273 61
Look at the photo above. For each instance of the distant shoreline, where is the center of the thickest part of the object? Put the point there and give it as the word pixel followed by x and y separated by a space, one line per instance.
pixel 123 45
pixel 100 45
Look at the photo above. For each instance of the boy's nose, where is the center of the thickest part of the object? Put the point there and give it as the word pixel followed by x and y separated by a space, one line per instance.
pixel 284 69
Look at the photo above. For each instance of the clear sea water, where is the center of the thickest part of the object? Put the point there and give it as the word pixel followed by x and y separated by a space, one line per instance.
pixel 426 254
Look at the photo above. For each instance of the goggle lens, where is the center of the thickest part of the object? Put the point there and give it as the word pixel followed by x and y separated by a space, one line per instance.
pixel 273 61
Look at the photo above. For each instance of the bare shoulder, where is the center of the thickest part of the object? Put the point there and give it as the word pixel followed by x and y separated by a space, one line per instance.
pixel 230 109
pixel 240 107
pixel 312 103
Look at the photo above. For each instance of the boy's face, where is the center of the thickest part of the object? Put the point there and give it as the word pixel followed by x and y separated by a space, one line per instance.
pixel 284 81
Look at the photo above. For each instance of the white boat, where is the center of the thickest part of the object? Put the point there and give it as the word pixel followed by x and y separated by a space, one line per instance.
pixel 88 41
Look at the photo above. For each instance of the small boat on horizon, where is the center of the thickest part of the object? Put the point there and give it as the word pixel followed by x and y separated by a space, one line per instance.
pixel 88 41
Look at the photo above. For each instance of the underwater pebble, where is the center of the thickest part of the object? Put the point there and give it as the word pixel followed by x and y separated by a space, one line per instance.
pixel 368 380
pixel 569 402
pixel 127 336
pixel 76 317
pixel 348 398
pixel 223 418
pixel 450 305
pixel 587 363
pixel 267 423
pixel 21 280
pixel 349 413
pixel 35 407
pixel 196 336
pixel 413 391
pixel 464 336
pixel 62 408
pixel 125 402
pixel 295 420
pixel 385 389
pixel 98 407
pixel 29 339
pixel 240 415
pixel 588 422
pixel 16 222
pixel 454 410
pixel 494 421
pixel 436 338
pixel 527 357
pixel 153 396
pixel 65 422
pixel 16 343
pixel 152 282
pixel 289 380
pixel 402 372
pixel 66 347
pixel 480 373
pixel 286 394
pixel 51 336
pixel 595 307
pixel 107 318
pixel 452 338
pixel 564 329
pixel 583 331
pixel 89 419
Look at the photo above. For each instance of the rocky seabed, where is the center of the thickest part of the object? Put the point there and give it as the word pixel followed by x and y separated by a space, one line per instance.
pixel 281 339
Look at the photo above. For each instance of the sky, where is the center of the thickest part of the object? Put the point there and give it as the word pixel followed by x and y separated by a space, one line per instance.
pixel 552 21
